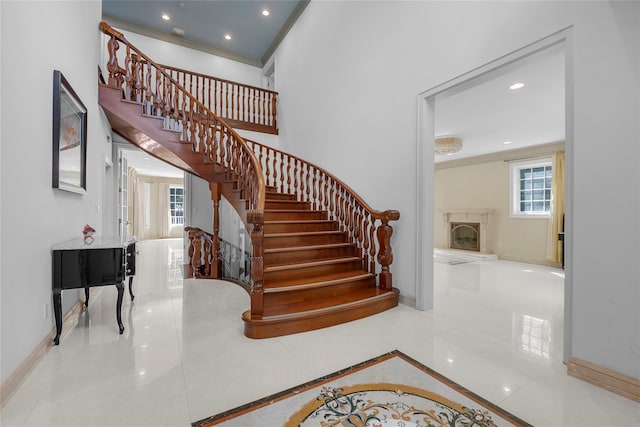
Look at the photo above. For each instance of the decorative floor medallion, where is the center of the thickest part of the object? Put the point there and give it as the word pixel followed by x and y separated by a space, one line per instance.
pixel 392 390
pixel 382 405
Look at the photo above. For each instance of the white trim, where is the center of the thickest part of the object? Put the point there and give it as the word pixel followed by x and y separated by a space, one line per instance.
pixel 425 170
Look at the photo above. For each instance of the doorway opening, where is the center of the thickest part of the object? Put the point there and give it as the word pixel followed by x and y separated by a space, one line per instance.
pixel 151 196
pixel 431 231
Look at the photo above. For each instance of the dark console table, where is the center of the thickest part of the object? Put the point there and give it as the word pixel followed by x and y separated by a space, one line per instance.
pixel 77 265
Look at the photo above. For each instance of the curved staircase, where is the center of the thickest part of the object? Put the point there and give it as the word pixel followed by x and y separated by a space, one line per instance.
pixel 313 275
pixel 320 254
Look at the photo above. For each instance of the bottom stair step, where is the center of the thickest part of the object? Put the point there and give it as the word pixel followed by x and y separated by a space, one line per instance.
pixel 308 316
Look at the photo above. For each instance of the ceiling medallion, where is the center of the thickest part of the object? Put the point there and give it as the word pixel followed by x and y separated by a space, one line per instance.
pixel 447 145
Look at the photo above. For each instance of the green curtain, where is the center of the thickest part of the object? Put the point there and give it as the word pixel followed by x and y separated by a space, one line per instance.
pixel 554 247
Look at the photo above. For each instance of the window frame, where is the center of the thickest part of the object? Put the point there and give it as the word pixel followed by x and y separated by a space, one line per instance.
pixel 172 203
pixel 514 184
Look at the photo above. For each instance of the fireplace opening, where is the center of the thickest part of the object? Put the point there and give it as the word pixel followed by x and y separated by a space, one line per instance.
pixel 465 235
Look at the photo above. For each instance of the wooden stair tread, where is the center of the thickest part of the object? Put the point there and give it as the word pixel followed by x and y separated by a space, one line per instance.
pixel 267 199
pixel 318 281
pixel 293 210
pixel 299 221
pixel 280 197
pixel 323 305
pixel 304 233
pixel 305 248
pixel 319 262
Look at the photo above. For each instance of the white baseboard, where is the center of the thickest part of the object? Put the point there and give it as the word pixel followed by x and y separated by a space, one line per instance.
pixel 410 301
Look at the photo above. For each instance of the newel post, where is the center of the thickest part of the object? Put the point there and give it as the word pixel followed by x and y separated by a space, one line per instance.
pixel 257 263
pixel 385 254
pixel 216 267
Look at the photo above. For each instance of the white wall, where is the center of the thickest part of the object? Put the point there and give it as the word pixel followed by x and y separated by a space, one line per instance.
pixel 36 38
pixel 173 55
pixel 348 103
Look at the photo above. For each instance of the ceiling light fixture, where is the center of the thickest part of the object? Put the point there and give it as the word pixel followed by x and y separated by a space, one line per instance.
pixel 516 86
pixel 179 31
pixel 166 16
pixel 447 145
pixel 508 142
pixel 227 36
pixel 265 12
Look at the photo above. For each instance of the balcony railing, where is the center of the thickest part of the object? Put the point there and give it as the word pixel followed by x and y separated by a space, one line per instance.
pixel 241 106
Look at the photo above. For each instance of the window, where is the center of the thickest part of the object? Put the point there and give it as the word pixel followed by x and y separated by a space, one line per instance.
pixel 176 205
pixel 531 189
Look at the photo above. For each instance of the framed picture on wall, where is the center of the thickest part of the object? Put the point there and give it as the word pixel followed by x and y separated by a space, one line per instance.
pixel 69 137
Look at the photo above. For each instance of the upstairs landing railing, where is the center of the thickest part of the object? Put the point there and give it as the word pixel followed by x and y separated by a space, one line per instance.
pixel 143 81
pixel 368 229
pixel 241 106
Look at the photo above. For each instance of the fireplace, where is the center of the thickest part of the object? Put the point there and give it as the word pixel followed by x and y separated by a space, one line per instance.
pixel 467 229
pixel 465 235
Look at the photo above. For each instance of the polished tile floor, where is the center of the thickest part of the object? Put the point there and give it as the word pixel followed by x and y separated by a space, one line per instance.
pixel 496 329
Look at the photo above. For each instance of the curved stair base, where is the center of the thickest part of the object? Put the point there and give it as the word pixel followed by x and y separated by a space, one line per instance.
pixel 302 321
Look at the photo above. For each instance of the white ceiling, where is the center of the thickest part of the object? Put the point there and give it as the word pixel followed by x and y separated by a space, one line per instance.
pixel 145 164
pixel 485 112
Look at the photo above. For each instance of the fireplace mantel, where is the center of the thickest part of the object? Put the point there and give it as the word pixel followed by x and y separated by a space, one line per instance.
pixel 471 215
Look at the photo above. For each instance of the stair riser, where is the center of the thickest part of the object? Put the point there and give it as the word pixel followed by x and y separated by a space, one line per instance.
pixel 284 204
pixel 258 329
pixel 284 216
pixel 318 270
pixel 282 298
pixel 299 227
pixel 271 242
pixel 306 255
pixel 280 196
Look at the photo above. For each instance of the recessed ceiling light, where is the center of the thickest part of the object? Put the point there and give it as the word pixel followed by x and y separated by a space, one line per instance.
pixel 516 86
pixel 166 16
pixel 508 142
pixel 265 12
pixel 227 36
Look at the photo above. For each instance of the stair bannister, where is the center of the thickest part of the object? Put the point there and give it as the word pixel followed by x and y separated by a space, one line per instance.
pixel 207 133
pixel 241 106
pixel 368 228
pixel 200 251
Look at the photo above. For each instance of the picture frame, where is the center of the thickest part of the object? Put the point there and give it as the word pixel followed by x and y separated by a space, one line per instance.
pixel 69 137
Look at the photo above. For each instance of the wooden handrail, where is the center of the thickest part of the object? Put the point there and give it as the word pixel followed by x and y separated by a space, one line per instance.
pixel 193 119
pixel 311 183
pixel 160 95
pixel 241 105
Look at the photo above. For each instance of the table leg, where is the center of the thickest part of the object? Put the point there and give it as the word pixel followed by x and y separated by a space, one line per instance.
pixel 57 311
pixel 86 296
pixel 130 287
pixel 120 286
